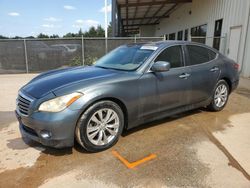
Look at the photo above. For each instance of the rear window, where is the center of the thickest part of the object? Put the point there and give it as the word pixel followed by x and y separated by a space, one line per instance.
pixel 198 54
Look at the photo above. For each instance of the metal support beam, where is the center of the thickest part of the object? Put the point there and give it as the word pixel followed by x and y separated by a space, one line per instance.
pixel 126 12
pixel 114 22
pixel 154 3
pixel 119 21
pixel 156 12
pixel 146 13
pixel 131 25
pixel 168 12
pixel 132 28
pixel 135 12
pixel 146 18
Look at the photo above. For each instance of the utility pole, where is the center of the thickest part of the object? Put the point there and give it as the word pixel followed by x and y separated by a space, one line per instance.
pixel 106 26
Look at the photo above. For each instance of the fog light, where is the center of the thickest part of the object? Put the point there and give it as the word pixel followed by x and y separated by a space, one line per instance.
pixel 45 134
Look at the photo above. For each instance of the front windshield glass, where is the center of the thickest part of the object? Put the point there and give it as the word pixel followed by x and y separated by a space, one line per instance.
pixel 125 58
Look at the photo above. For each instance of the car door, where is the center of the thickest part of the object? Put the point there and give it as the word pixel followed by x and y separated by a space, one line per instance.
pixel 162 91
pixel 205 71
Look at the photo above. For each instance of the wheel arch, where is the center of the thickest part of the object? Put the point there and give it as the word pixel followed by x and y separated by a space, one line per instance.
pixel 228 82
pixel 115 100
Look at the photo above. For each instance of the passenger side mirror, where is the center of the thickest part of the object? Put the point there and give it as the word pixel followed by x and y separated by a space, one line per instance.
pixel 160 66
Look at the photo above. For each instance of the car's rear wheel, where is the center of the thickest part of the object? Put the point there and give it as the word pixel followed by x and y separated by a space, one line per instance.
pixel 220 96
pixel 100 126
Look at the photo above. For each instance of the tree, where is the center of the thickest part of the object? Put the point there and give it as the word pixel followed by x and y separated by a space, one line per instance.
pixel 100 31
pixel 80 33
pixel 30 37
pixel 3 37
pixel 91 33
pixel 68 35
pixel 110 30
pixel 41 35
pixel 54 36
pixel 17 37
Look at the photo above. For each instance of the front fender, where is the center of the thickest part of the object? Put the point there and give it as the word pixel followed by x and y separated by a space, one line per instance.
pixel 127 94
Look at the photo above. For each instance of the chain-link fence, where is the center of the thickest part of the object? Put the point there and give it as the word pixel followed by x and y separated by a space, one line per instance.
pixel 38 55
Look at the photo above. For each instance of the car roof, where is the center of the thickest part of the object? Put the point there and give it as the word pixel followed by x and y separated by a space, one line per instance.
pixel 162 44
pixel 171 42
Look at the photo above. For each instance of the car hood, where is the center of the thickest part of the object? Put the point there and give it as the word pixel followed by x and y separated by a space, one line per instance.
pixel 52 80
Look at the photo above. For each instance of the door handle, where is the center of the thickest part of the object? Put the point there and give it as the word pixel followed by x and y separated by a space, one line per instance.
pixel 214 69
pixel 184 76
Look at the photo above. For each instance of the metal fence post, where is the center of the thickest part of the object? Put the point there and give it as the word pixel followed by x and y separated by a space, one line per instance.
pixel 106 45
pixel 135 39
pixel 83 55
pixel 26 56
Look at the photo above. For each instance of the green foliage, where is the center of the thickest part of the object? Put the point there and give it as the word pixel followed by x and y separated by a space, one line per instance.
pixel 30 37
pixel 54 36
pixel 89 60
pixel 76 61
pixel 92 32
pixel 3 37
pixel 41 35
pixel 110 30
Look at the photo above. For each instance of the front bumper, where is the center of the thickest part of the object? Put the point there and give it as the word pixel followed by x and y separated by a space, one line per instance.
pixel 59 126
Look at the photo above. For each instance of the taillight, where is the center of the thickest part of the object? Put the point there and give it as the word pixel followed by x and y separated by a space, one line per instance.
pixel 236 66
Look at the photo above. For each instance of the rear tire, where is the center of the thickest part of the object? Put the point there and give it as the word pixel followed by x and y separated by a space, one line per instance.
pixel 220 96
pixel 100 126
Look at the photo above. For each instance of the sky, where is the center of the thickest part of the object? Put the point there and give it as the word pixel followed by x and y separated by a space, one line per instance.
pixel 31 17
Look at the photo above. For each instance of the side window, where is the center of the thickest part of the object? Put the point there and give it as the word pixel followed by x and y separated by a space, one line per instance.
pixel 173 55
pixel 198 54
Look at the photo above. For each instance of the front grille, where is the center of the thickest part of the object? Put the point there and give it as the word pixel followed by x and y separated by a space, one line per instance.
pixel 23 104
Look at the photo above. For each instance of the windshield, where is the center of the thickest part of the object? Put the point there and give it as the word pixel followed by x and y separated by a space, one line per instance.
pixel 125 58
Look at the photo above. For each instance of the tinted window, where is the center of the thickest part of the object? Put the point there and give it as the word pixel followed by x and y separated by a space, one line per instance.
pixel 200 33
pixel 172 36
pixel 186 35
pixel 179 35
pixel 217 34
pixel 198 55
pixel 173 55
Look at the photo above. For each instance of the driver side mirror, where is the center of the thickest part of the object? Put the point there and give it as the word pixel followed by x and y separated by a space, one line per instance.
pixel 160 66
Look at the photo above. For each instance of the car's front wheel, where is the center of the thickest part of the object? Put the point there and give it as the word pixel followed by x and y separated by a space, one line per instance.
pixel 220 96
pixel 100 126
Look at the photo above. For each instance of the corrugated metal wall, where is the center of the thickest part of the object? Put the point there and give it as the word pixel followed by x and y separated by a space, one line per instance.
pixel 233 12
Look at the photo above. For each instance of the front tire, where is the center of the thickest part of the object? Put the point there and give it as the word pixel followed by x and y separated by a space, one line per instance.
pixel 100 126
pixel 220 96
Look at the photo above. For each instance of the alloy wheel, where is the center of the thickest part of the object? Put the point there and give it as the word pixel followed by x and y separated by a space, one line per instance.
pixel 103 126
pixel 221 95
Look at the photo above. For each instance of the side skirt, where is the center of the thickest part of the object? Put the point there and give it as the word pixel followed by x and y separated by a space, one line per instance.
pixel 168 113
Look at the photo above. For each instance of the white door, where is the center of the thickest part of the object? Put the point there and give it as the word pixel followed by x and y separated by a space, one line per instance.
pixel 234 43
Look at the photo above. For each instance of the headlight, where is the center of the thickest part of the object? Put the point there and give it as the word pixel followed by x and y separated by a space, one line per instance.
pixel 59 103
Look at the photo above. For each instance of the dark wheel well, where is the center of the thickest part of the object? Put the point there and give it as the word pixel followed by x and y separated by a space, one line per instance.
pixel 228 82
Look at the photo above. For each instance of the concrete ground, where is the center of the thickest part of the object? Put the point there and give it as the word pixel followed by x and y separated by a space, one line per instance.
pixel 193 149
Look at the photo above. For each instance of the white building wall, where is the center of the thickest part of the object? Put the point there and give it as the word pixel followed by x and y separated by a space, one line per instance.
pixel 246 57
pixel 233 13
pixel 147 31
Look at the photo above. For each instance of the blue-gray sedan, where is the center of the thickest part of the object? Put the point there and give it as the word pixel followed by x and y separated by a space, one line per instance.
pixel 131 85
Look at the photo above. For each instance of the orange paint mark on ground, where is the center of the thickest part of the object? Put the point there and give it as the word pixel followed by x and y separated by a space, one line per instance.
pixel 133 164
